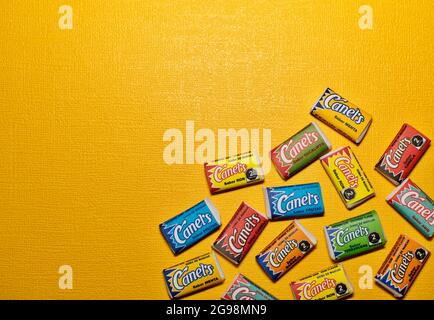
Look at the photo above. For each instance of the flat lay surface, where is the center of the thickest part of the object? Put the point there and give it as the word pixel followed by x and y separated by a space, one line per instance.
pixel 103 125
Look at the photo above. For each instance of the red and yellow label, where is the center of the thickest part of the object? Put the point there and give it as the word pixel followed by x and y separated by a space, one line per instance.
pixel 348 177
pixel 233 172
pixel 328 284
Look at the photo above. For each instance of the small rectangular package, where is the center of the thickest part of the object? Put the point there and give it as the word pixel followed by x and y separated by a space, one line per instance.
pixel 296 201
pixel 354 236
pixel 244 289
pixel 233 172
pixel 331 283
pixel 415 205
pixel 240 233
pixel 299 151
pixel 402 266
pixel 191 226
pixel 193 275
pixel 402 155
pixel 347 176
pixel 342 115
pixel 286 250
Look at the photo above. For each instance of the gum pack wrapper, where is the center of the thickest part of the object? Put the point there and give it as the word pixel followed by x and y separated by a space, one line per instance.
pixel 193 275
pixel 354 236
pixel 402 266
pixel 297 201
pixel 236 239
pixel 342 115
pixel 328 284
pixel 191 226
pixel 286 250
pixel 244 289
pixel 348 177
pixel 402 155
pixel 299 151
pixel 233 172
pixel 415 205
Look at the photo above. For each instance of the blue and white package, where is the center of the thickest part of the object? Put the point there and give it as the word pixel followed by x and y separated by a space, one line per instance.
pixel 297 201
pixel 189 227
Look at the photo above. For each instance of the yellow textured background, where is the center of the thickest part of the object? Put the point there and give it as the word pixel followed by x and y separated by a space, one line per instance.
pixel 83 112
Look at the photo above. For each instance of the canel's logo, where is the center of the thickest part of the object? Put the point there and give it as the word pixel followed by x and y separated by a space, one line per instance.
pixel 278 256
pixel 345 236
pixel 344 165
pixel 287 202
pixel 182 278
pixel 393 158
pixel 414 201
pixel 398 272
pixel 336 103
pixel 290 150
pixel 222 172
pixel 243 293
pixel 238 240
pixel 182 232
pixel 312 289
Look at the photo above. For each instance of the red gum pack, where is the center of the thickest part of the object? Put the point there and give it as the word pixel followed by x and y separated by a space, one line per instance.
pixel 240 233
pixel 402 154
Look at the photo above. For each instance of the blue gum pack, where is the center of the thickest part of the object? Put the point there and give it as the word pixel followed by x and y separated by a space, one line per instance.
pixel 189 227
pixel 297 201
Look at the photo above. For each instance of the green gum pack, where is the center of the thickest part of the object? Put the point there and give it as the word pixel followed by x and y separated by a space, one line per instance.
pixel 354 236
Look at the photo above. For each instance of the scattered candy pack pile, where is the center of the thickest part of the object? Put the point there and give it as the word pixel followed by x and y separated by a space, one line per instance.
pixel 344 239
